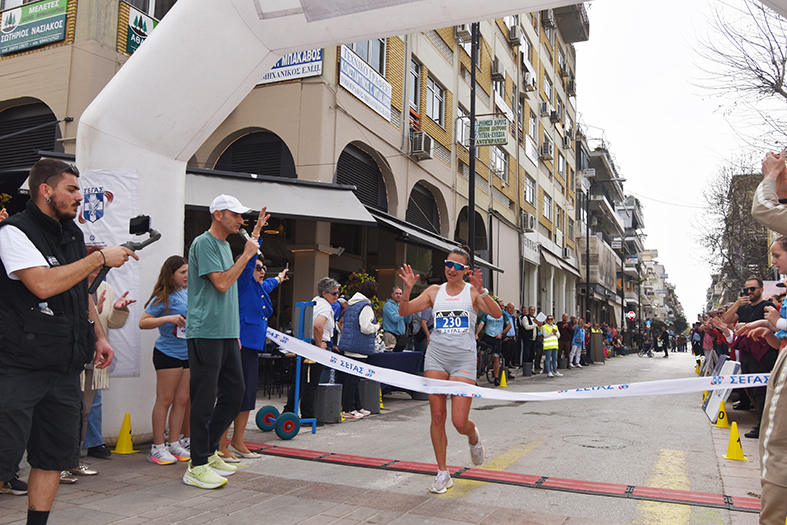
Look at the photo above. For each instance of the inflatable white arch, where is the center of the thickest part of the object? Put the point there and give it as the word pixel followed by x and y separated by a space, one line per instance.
pixel 196 68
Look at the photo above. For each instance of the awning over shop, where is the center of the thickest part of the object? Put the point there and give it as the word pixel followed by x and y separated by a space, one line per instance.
pixel 551 259
pixel 416 235
pixel 570 269
pixel 288 198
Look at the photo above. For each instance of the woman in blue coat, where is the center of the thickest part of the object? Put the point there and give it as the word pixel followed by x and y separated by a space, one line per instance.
pixel 256 307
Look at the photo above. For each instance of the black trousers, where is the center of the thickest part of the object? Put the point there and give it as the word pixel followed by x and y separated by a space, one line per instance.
pixel 310 379
pixel 750 365
pixel 510 348
pixel 351 398
pixel 216 388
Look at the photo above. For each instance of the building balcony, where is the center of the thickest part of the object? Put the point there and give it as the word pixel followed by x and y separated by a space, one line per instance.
pixel 573 23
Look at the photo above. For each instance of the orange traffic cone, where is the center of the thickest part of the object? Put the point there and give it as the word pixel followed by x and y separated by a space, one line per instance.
pixel 722 421
pixel 124 444
pixel 734 449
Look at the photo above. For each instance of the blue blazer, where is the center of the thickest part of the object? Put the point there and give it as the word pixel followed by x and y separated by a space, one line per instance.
pixel 255 306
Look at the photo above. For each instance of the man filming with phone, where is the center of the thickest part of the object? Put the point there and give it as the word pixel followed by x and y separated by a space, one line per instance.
pixel 756 357
pixel 49 330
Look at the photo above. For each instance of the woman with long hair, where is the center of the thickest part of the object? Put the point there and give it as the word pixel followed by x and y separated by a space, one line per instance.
pixel 166 310
pixel 451 353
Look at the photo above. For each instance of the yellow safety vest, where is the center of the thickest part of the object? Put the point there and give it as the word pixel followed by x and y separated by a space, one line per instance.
pixel 550 334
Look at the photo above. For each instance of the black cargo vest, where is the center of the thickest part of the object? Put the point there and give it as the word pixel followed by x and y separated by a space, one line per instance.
pixel 62 342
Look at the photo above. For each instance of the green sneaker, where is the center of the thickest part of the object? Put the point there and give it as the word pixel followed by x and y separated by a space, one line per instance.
pixel 221 467
pixel 203 476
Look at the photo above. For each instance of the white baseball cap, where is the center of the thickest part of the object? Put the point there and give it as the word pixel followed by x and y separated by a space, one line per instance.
pixel 228 202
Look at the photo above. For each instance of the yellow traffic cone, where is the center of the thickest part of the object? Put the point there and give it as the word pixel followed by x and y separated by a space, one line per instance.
pixel 734 450
pixel 704 397
pixel 124 444
pixel 722 421
pixel 503 382
pixel 697 369
pixel 381 400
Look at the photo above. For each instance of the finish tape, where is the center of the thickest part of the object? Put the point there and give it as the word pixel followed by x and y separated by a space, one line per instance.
pixel 289 344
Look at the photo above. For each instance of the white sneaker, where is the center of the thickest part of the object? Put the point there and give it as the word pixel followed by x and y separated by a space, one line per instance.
pixel 578 365
pixel 477 451
pixel 161 456
pixel 219 466
pixel 442 482
pixel 558 374
pixel 550 374
pixel 178 452
pixel 186 444
pixel 203 476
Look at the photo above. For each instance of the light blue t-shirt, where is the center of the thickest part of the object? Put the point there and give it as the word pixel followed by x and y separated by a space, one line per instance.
pixel 212 314
pixel 168 343
pixel 494 326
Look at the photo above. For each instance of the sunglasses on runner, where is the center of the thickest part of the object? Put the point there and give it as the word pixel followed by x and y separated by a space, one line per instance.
pixel 453 265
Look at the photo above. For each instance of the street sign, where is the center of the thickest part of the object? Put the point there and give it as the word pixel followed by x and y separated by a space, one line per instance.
pixel 631 316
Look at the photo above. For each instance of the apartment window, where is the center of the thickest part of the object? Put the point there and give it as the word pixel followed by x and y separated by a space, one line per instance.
pixel 561 163
pixel 582 215
pixel 510 20
pixel 547 211
pixel 500 163
pixel 559 218
pixel 372 52
pixel 530 191
pixel 569 124
pixel 463 127
pixel 415 84
pixel 435 101
pixel 561 58
pixel 548 89
pixel 500 89
pixel 559 108
pixel 571 228
pixel 467 46
pixel 527 54
pixel 533 126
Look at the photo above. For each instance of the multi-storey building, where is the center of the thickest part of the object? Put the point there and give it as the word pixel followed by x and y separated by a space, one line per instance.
pixel 360 151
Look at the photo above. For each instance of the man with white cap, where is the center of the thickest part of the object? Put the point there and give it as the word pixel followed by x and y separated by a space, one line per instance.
pixel 212 332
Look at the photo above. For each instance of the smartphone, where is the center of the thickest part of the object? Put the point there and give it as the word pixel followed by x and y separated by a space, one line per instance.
pixel 139 225
pixel 744 292
pixel 287 266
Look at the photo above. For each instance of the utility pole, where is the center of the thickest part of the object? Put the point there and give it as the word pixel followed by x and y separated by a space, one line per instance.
pixel 475 29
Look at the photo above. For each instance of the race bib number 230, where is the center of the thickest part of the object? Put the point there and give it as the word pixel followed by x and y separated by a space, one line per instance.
pixel 452 321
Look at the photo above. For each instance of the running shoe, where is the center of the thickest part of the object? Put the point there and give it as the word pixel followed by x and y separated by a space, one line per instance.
pixel 16 486
pixel 558 374
pixel 185 443
pixel 352 415
pixel 161 456
pixel 203 476
pixel 178 452
pixel 442 482
pixel 364 412
pixel 219 466
pixel 477 450
pixel 550 374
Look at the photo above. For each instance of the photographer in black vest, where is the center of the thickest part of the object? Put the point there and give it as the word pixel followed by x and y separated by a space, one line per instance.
pixel 49 330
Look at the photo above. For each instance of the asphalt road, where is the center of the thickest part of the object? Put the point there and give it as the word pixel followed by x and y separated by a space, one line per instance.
pixel 657 441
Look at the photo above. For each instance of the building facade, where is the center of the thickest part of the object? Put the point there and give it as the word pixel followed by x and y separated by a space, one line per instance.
pixel 382 123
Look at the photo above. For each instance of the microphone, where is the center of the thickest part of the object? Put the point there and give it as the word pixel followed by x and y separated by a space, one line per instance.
pixel 243 233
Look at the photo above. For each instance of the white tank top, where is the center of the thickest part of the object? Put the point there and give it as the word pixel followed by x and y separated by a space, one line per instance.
pixel 454 320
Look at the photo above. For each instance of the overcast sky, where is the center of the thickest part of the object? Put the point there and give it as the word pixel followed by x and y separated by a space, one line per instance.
pixel 636 84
